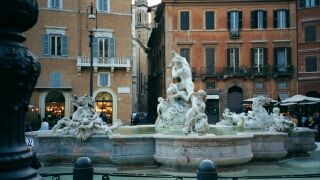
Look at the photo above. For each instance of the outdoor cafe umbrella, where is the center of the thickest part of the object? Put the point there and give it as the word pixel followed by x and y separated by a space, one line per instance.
pixel 300 99
pixel 250 101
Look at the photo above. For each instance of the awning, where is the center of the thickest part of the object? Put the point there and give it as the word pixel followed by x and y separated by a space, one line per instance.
pixel 283 96
pixel 212 96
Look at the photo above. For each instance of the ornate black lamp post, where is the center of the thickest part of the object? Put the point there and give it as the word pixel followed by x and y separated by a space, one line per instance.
pixel 91 16
pixel 19 72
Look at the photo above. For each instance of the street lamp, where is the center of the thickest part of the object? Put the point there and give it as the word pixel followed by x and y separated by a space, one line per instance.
pixel 91 16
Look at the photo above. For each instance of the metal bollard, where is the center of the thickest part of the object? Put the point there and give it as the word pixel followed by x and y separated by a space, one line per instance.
pixel 83 169
pixel 207 170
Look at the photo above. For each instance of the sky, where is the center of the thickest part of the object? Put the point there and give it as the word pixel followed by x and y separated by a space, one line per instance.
pixel 153 2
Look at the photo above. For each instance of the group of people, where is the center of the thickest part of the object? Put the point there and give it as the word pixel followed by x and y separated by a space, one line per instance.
pixel 312 121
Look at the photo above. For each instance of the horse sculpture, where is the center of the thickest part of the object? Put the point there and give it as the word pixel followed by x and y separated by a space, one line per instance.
pixel 261 118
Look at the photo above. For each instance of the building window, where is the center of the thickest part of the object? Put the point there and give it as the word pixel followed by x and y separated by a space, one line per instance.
pixel 210 85
pixel 258 85
pixel 55 4
pixel 184 20
pixel 103 79
pixel 258 56
pixel 103 47
pixel 311 33
pixel 55 79
pixel 233 57
pixel 282 85
pixel 311 64
pixel 258 19
pixel 282 58
pixel 281 18
pixel 55 45
pixel 309 3
pixel 255 95
pixel 210 60
pixel 139 17
pixel 185 52
pixel 209 20
pixel 259 59
pixel 234 22
pixel 103 5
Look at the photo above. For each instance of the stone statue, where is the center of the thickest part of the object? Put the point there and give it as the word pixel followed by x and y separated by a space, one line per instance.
pixel 198 106
pixel 231 118
pixel 162 109
pixel 85 121
pixel 280 123
pixel 184 88
pixel 261 118
pixel 185 108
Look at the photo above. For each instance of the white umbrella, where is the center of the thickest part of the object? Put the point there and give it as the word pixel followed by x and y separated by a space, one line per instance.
pixel 300 99
pixel 250 101
pixel 287 104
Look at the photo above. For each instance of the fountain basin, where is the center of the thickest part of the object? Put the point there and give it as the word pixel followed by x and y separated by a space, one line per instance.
pixel 184 153
pixel 268 145
pixel 301 141
pixel 137 147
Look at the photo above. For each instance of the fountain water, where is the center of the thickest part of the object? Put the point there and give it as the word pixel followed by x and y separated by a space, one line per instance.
pixel 181 137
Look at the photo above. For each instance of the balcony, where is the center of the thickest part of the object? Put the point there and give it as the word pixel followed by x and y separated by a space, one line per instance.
pixel 283 70
pixel 104 62
pixel 244 72
pixel 46 83
pixel 234 34
pixel 209 72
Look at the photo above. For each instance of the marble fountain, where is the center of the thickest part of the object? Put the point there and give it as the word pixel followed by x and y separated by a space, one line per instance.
pixel 181 137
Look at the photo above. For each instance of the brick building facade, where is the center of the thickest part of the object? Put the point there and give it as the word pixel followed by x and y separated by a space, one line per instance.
pixel 236 49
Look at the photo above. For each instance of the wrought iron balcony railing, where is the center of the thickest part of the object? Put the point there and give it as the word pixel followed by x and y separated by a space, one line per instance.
pixel 234 33
pixel 253 71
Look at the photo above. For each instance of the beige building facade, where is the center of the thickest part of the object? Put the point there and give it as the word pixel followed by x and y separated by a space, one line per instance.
pixel 60 40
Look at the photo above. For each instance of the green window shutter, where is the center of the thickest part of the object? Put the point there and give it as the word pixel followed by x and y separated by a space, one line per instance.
pixel 209 20
pixel 310 33
pixel 240 19
pixel 237 57
pixel 112 47
pixel 252 56
pixel 46 46
pixel 287 18
pixel 95 52
pixel 229 20
pixel 228 57
pixel 184 18
pixel 64 45
pixel 55 79
pixel 103 79
pixel 311 64
pixel 253 19
pixel 264 23
pixel 302 4
pixel 275 19
pixel 289 55
pixel 275 56
pixel 265 56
